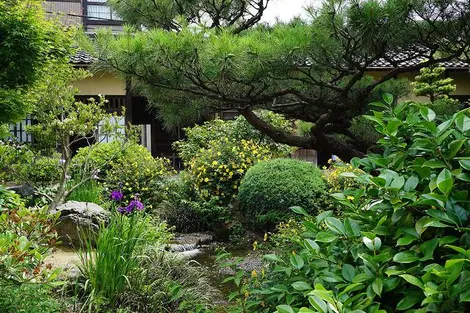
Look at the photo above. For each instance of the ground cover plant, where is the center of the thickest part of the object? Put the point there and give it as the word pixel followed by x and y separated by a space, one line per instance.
pixel 401 241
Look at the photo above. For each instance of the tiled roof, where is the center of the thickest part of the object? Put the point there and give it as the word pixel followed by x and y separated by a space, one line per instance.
pixel 409 58
pixel 400 59
pixel 81 58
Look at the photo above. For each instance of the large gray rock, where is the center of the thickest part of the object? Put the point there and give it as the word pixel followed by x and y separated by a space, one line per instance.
pixel 79 219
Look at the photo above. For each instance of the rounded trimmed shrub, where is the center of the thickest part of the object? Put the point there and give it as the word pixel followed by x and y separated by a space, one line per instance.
pixel 275 185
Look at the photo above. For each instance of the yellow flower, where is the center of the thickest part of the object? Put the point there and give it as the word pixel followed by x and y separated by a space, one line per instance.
pixel 351 198
pixel 265 237
pixel 255 245
pixel 254 274
pixel 206 179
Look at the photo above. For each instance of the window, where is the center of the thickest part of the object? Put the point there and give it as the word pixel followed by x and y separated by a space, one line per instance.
pixel 97 10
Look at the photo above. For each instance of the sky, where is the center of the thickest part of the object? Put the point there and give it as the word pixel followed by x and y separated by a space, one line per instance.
pixel 286 9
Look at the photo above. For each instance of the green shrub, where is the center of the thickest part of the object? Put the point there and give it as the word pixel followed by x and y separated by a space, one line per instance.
pixel 99 156
pixel 128 167
pixel 20 164
pixel 218 153
pixel 200 136
pixel 90 191
pixel 28 298
pixel 217 171
pixel 180 209
pixel 402 241
pixel 275 185
pixel 9 200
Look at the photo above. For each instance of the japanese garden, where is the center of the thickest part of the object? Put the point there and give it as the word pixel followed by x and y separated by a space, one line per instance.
pixel 234 156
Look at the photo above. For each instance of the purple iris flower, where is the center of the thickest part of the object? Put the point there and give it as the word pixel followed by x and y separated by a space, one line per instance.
pixel 135 204
pixel 116 195
pixel 122 210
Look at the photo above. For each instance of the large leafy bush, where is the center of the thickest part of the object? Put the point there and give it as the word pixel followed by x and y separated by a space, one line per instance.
pixel 402 242
pixel 278 184
pixel 20 164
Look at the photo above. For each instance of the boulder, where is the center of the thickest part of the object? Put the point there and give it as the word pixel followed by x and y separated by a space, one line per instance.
pixel 78 218
pixel 24 190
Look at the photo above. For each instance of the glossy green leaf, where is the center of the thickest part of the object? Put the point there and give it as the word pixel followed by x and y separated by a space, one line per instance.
pixel 297 262
pixel 413 280
pixel 284 309
pixel 301 286
pixel 454 148
pixel 434 164
pixel 388 98
pixel 312 245
pixel 428 114
pixel 445 181
pixel 411 183
pixel 392 126
pixel 352 228
pixel 397 182
pixel 463 123
pixel 427 249
pixel 405 257
pixel 465 164
pixel 273 258
pixel 318 304
pixel 372 244
pixel 349 272
pixel 409 301
pixel 377 286
pixel 325 237
pixel 405 240
pixel 335 225
pixel 299 210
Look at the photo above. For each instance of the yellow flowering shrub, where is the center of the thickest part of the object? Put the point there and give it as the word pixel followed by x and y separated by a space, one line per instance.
pixel 217 170
pixel 334 176
pixel 130 168
pixel 138 173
